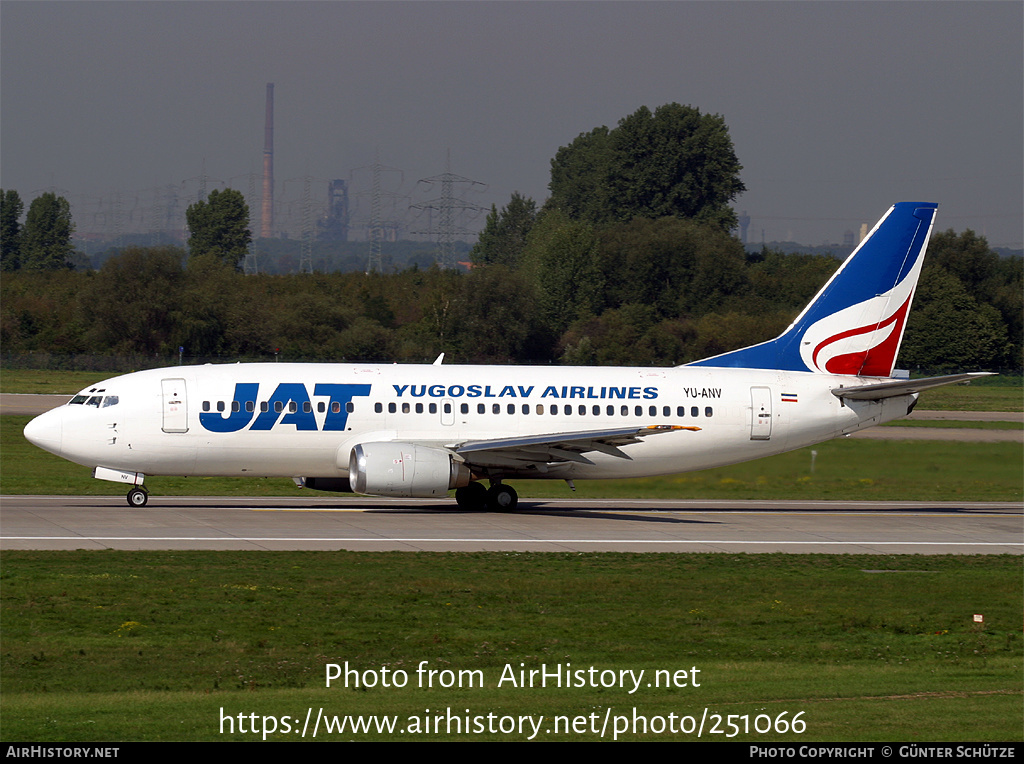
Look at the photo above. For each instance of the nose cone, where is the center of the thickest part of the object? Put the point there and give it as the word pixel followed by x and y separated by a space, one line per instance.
pixel 46 431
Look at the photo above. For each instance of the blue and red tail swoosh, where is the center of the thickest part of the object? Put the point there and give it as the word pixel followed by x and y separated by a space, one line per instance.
pixel 855 324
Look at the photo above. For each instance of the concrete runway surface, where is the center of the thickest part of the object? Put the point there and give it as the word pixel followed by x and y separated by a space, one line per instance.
pixel 563 525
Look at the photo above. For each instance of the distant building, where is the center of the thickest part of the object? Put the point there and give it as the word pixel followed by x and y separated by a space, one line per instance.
pixel 744 224
pixel 334 226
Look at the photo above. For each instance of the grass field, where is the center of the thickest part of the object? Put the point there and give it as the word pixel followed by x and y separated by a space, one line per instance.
pixel 956 424
pixel 153 645
pixel 47 382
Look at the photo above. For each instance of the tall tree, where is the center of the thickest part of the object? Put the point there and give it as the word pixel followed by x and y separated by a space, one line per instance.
pixel 966 256
pixel 672 162
pixel 579 177
pixel 949 330
pixel 504 236
pixel 46 238
pixel 134 303
pixel 11 208
pixel 676 266
pixel 219 227
pixel 989 279
pixel 560 260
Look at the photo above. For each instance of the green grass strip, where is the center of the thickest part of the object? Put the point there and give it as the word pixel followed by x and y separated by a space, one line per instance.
pixel 950 424
pixel 102 645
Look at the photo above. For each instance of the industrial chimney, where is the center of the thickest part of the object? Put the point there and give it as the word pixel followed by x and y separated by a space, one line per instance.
pixel 268 167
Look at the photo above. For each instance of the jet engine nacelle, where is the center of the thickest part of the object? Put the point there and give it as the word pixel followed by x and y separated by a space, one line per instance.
pixel 404 469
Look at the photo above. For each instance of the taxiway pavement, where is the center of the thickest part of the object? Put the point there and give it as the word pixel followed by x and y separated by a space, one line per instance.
pixel 563 525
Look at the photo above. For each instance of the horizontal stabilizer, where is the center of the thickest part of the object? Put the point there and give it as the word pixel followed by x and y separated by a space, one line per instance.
pixel 881 390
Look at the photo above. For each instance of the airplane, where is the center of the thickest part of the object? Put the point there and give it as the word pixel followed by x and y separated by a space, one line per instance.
pixel 420 430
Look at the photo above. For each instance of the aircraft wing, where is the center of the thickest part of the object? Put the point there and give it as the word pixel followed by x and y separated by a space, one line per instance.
pixel 881 390
pixel 540 450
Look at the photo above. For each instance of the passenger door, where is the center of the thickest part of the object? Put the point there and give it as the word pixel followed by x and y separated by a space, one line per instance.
pixel 760 413
pixel 175 405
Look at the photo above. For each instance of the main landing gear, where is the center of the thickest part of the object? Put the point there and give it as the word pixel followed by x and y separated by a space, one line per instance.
pixel 498 498
pixel 137 497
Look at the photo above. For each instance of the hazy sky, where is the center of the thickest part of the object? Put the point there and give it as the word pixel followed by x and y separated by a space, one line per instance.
pixel 836 109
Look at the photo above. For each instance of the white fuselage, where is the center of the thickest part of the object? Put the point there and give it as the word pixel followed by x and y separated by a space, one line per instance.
pixel 223 420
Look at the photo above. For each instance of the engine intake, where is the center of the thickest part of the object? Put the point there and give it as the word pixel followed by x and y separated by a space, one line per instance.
pixel 404 470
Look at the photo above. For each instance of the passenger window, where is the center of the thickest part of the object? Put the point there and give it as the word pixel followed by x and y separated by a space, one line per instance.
pixel 278 406
pixel 554 409
pixel 540 408
pixel 419 408
pixel 264 406
pixel 336 407
pixel 638 410
pixel 349 407
pixel 432 408
pixel 447 408
pixel 320 407
pixel 495 408
pixel 250 406
pixel 567 409
pixel 666 411
pixel 481 408
pixel 406 408
pixel 526 408
pixel 392 408
pixel 708 411
pixel 378 408
pixel 464 408
pixel 624 411
pixel 583 410
pixel 511 408
pixel 220 405
pixel 653 411
pixel 206 405
pixel 694 411
pixel 610 410
pixel 680 410
pixel 235 406
pixel 597 410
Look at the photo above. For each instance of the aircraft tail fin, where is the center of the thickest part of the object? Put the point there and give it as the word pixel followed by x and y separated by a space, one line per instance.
pixel 855 324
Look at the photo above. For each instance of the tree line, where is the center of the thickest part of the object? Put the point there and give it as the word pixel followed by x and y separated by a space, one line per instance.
pixel 630 261
pixel 643 293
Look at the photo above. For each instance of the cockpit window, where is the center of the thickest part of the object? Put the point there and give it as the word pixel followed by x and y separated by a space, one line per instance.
pixel 94 401
pixel 78 399
pixel 110 400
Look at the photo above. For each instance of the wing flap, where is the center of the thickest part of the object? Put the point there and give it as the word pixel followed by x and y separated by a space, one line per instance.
pixel 540 450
